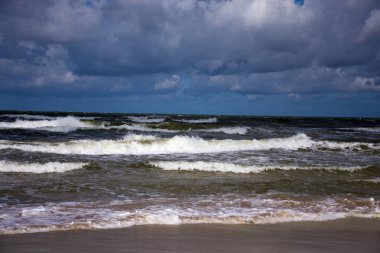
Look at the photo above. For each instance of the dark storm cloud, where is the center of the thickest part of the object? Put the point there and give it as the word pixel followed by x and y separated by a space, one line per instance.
pixel 147 47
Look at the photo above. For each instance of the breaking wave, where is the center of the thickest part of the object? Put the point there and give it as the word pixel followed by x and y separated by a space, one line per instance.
pixel 146 119
pixel 141 128
pixel 209 120
pixel 368 129
pixel 71 123
pixel 38 168
pixel 224 209
pixel 60 124
pixel 145 144
pixel 228 130
pixel 236 168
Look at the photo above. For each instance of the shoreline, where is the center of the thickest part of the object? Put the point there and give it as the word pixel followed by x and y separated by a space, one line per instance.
pixel 343 235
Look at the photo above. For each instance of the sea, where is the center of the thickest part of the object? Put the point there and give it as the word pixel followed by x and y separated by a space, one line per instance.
pixel 70 171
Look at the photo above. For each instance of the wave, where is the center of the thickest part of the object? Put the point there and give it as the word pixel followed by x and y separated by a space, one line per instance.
pixel 38 168
pixel 227 130
pixel 224 209
pixel 209 120
pixel 40 117
pixel 372 180
pixel 141 128
pixel 236 168
pixel 133 144
pixel 146 119
pixel 60 124
pixel 367 129
pixel 144 128
pixel 28 116
pixel 71 123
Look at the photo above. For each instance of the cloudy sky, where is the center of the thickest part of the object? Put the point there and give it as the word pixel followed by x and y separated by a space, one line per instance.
pixel 259 57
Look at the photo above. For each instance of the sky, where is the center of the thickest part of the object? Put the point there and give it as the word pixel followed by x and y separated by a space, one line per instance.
pixel 247 57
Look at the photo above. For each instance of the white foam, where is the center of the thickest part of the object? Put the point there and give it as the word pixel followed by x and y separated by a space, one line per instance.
pixel 368 129
pixel 236 168
pixel 146 119
pixel 195 121
pixel 144 128
pixel 141 128
pixel 27 213
pixel 177 144
pixel 139 137
pixel 222 209
pixel 227 130
pixel 372 180
pixel 60 124
pixel 38 168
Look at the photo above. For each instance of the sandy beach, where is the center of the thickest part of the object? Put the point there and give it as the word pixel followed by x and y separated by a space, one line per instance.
pixel 347 235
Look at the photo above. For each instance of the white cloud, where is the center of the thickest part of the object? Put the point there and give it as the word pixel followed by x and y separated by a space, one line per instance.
pixel 371 28
pixel 169 83
pixel 366 84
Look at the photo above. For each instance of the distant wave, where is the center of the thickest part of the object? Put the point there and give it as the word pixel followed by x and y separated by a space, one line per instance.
pixel 367 129
pixel 144 128
pixel 141 128
pixel 71 123
pixel 145 144
pixel 209 120
pixel 60 124
pixel 146 119
pixel 236 168
pixel 227 130
pixel 28 116
pixel 38 168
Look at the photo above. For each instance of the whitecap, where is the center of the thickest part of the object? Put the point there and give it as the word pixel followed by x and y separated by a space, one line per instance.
pixel 227 130
pixel 195 121
pixel 236 168
pixel 59 124
pixel 146 119
pixel 38 168
pixel 178 144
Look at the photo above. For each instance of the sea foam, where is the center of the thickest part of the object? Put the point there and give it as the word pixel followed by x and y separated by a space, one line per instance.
pixel 236 168
pixel 209 120
pixel 60 124
pixel 227 130
pixel 38 168
pixel 139 145
pixel 146 119
pixel 219 209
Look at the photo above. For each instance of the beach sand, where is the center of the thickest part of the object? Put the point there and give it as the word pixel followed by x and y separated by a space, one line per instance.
pixel 346 235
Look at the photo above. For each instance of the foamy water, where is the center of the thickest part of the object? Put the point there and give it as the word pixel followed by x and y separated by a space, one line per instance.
pixel 236 168
pixel 137 145
pixel 69 172
pixel 198 121
pixel 146 119
pixel 38 168
pixel 60 124
pixel 223 209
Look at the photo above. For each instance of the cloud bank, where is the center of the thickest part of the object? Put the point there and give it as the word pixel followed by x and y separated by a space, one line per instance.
pixel 192 47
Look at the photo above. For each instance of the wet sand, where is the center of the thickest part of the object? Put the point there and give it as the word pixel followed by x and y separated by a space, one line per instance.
pixel 347 235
